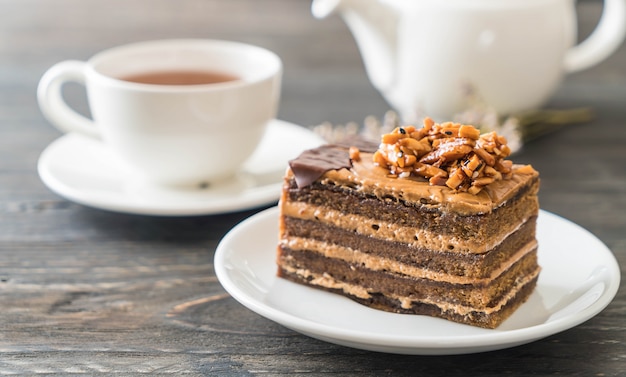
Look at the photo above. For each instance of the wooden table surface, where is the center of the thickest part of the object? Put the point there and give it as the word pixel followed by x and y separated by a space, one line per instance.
pixel 85 291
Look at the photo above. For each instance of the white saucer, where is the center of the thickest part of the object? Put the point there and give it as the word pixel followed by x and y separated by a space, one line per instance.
pixel 83 170
pixel 579 278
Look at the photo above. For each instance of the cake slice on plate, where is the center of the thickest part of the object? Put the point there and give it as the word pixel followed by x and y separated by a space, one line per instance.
pixel 433 220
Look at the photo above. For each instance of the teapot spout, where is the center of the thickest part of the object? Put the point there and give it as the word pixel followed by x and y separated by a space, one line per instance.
pixel 373 24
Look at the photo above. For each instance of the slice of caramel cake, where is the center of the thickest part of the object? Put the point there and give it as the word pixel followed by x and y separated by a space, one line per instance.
pixel 431 221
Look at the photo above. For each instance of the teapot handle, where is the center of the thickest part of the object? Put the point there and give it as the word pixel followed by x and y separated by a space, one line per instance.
pixel 603 41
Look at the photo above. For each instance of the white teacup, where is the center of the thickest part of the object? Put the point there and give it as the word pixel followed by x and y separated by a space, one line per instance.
pixel 172 133
pixel 423 55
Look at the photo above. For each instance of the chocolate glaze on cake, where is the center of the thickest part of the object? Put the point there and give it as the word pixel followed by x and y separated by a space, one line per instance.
pixel 313 163
pixel 405 245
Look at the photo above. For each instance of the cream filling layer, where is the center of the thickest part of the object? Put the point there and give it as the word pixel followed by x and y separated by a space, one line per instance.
pixel 415 237
pixel 377 263
pixel 406 302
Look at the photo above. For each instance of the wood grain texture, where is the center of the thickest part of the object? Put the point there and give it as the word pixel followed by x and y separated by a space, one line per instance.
pixel 90 292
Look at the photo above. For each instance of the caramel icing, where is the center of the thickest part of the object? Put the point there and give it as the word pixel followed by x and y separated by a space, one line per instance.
pixel 331 163
pixel 374 180
pixel 412 236
pixel 464 309
pixel 376 263
pixel 326 281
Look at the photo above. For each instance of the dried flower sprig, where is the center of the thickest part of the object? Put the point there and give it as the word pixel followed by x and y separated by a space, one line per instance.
pixel 518 129
pixel 371 129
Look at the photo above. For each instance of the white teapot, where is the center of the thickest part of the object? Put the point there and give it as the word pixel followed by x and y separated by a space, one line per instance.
pixel 424 55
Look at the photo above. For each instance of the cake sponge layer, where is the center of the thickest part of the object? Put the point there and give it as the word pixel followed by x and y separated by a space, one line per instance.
pixel 457 313
pixel 487 295
pixel 376 253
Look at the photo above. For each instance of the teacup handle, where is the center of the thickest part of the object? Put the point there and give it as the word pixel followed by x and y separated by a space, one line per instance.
pixel 52 103
pixel 603 41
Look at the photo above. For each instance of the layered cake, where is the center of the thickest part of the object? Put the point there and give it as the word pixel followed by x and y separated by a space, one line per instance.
pixel 432 220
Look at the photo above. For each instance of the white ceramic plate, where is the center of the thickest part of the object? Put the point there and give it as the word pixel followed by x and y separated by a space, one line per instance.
pixel 580 277
pixel 83 170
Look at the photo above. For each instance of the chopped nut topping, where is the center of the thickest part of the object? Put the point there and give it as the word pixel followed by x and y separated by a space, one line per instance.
pixel 447 154
pixel 355 153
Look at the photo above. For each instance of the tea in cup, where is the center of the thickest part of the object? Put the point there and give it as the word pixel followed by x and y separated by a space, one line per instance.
pixel 180 113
